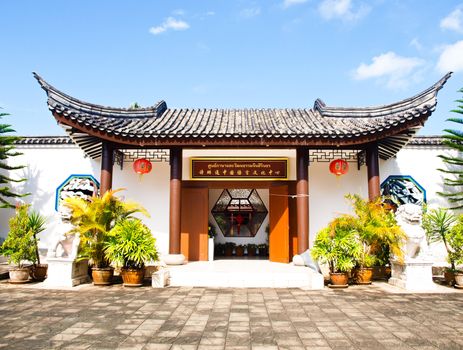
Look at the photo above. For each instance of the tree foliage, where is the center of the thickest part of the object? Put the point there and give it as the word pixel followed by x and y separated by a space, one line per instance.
pixel 7 150
pixel 454 174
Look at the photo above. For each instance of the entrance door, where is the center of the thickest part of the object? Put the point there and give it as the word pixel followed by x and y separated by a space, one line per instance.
pixel 194 239
pixel 279 224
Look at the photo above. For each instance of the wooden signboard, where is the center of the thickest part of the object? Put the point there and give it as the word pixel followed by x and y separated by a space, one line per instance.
pixel 236 169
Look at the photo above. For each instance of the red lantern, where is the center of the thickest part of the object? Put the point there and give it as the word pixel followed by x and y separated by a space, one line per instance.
pixel 339 167
pixel 142 166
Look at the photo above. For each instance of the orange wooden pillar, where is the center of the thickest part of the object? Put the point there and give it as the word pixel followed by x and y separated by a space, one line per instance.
pixel 302 192
pixel 373 172
pixel 107 160
pixel 292 205
pixel 175 206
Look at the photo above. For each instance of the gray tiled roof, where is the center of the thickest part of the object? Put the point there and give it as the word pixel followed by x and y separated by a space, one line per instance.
pixel 45 140
pixel 393 124
pixel 427 141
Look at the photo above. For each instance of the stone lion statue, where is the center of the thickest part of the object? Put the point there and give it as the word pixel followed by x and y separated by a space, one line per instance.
pixel 65 245
pixel 409 217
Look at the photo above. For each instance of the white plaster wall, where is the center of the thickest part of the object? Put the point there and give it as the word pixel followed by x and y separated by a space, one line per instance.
pixel 327 191
pixel 48 167
pixel 259 238
pixel 421 162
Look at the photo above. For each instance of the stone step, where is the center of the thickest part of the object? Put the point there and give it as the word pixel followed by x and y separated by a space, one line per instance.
pixel 244 274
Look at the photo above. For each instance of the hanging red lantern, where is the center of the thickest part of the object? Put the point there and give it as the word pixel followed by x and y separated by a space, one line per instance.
pixel 142 166
pixel 339 167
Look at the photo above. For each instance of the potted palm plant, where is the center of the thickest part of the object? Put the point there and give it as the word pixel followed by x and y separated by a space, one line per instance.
pixel 131 245
pixel 19 245
pixel 37 225
pixel 93 220
pixel 376 228
pixel 438 225
pixel 337 245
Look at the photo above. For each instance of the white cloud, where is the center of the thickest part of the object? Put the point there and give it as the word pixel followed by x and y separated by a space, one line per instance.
pixel 210 13
pixel 454 21
pixel 416 44
pixel 169 23
pixel 250 12
pixel 342 9
pixel 451 58
pixel 397 71
pixel 288 3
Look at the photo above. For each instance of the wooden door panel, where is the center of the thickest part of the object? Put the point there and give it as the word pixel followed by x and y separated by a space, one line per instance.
pixel 194 239
pixel 279 224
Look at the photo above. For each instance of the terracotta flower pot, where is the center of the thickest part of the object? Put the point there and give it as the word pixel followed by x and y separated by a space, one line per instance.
pixel 251 251
pixel 102 276
pixel 132 277
pixel 239 250
pixel 19 274
pixel 39 272
pixel 459 279
pixel 228 251
pixel 339 278
pixel 364 275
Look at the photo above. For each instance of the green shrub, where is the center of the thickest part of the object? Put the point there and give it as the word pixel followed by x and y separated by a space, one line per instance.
pixel 130 244
pixel 455 242
pixel 20 244
pixel 337 245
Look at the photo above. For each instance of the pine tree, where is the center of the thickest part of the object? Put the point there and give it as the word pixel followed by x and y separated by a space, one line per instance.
pixel 454 139
pixel 7 150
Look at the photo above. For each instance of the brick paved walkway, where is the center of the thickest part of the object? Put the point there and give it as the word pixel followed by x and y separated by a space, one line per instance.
pixel 201 318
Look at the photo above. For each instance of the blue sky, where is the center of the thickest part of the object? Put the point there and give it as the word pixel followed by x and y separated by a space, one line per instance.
pixel 227 54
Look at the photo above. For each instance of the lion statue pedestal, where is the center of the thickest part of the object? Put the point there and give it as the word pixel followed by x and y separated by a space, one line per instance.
pixel 415 272
pixel 63 269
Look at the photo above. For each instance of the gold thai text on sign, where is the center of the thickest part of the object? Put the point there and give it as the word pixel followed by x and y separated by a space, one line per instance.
pixel 239 168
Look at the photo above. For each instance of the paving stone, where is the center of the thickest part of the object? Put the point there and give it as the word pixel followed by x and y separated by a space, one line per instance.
pixel 209 319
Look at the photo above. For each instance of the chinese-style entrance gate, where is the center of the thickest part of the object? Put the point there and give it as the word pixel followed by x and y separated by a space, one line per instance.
pixel 376 132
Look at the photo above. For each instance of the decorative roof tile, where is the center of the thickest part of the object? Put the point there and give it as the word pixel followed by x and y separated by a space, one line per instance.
pixel 45 140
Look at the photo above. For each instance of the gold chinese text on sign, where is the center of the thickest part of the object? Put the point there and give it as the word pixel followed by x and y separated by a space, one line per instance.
pixel 210 168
